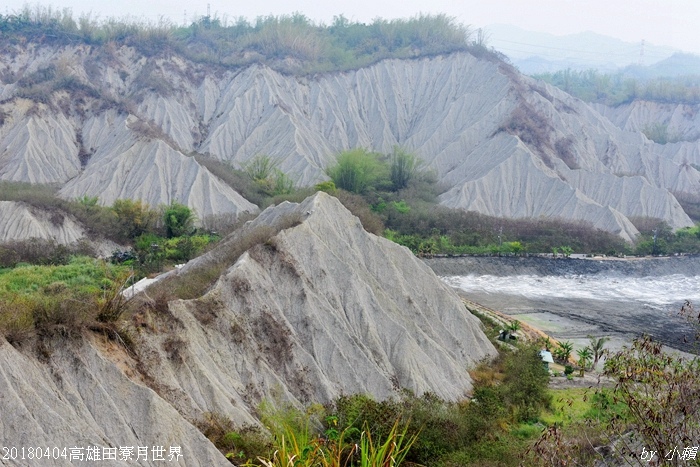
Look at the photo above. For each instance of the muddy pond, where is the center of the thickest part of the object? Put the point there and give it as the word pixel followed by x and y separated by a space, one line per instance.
pixel 571 299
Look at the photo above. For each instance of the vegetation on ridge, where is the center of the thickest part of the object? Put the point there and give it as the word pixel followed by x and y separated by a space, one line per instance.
pixel 407 212
pixel 287 43
pixel 618 89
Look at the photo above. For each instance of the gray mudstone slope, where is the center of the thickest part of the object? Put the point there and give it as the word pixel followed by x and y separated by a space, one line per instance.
pixel 23 222
pixel 500 143
pixel 681 120
pixel 81 398
pixel 320 309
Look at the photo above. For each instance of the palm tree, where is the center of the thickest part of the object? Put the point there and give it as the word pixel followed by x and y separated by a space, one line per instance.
pixel 597 348
pixel 564 351
pixel 584 357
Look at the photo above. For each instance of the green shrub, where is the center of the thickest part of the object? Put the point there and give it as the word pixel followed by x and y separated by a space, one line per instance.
pixel 178 220
pixel 358 171
pixel 133 217
pixel 328 187
pixel 525 384
pixel 403 168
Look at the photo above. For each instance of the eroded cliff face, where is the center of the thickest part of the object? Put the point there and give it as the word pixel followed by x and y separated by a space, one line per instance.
pixel 502 144
pixel 320 309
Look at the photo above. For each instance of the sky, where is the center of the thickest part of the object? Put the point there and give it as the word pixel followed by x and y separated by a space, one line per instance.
pixel 674 23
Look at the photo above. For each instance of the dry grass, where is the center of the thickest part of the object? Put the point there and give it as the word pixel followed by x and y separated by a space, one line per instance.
pixel 532 128
pixel 175 347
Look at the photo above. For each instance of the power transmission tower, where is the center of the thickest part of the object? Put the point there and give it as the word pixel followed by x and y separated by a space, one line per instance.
pixel 641 54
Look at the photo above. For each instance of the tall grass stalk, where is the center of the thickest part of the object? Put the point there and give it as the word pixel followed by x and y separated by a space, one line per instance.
pixel 388 453
pixel 298 446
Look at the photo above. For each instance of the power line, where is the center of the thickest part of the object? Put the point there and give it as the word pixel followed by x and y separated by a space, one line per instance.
pixel 631 48
pixel 630 55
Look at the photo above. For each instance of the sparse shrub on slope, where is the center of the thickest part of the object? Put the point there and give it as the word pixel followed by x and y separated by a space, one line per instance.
pixel 361 209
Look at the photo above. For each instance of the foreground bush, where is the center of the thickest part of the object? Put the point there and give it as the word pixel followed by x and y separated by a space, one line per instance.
pixel 654 406
pixel 494 427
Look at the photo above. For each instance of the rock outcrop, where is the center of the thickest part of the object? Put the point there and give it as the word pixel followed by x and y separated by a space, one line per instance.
pixel 316 310
pixel 501 143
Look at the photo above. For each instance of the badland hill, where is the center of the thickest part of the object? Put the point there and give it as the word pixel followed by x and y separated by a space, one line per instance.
pixel 120 119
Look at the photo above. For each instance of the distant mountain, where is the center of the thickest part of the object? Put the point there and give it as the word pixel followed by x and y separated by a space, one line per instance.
pixel 536 52
pixel 678 64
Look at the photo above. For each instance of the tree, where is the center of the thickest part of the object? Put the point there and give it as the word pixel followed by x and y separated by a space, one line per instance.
pixel 358 171
pixel 653 413
pixel 403 168
pixel 564 351
pixel 134 217
pixel 178 220
pixel 584 358
pixel 525 384
pixel 662 393
pixel 597 347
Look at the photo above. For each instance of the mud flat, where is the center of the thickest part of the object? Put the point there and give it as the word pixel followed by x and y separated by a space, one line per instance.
pixel 571 299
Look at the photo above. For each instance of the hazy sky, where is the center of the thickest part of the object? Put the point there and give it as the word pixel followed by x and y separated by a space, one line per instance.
pixel 661 22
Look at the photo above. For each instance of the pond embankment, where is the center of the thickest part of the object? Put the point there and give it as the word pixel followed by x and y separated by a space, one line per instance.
pixel 541 266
